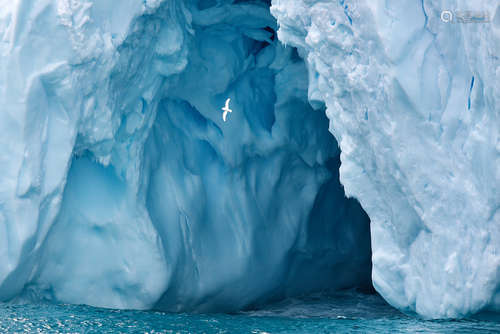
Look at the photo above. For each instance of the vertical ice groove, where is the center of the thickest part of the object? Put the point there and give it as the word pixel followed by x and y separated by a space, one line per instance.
pixel 470 92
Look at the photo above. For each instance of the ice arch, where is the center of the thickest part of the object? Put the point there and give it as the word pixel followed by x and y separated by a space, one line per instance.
pixel 122 187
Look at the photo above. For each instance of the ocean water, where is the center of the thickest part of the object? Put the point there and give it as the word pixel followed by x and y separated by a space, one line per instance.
pixel 345 312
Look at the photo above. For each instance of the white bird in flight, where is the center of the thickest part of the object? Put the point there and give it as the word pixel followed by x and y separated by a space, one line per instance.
pixel 226 110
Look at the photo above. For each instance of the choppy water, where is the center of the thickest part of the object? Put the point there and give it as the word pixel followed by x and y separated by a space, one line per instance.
pixel 346 312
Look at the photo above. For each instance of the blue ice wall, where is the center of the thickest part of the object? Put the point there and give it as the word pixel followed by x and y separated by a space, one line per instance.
pixel 151 199
pixel 412 92
pixel 121 186
pixel 256 199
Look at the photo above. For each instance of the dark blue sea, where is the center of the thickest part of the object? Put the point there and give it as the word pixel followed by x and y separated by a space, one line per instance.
pixel 346 312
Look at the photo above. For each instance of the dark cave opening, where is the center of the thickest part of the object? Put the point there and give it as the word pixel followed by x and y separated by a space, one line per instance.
pixel 228 215
pixel 267 83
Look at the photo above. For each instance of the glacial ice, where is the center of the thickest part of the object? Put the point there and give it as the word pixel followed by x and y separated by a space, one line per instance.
pixel 122 187
pixel 414 104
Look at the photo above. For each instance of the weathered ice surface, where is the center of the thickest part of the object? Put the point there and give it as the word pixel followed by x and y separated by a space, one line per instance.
pixel 120 184
pixel 414 104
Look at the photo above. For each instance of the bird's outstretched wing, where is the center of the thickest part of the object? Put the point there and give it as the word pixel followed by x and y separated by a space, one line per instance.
pixel 227 103
pixel 224 115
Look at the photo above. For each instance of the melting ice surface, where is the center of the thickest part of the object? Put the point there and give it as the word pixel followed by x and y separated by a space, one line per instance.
pixel 122 187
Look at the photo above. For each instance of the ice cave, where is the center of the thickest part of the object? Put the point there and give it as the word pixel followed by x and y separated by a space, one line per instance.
pixel 362 152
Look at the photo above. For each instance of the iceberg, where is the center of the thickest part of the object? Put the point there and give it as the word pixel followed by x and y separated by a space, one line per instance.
pixel 412 94
pixel 123 187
